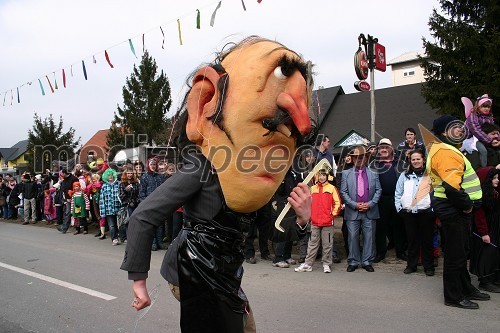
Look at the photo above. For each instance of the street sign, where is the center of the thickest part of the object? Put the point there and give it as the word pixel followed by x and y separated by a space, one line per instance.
pixel 361 64
pixel 362 86
pixel 380 58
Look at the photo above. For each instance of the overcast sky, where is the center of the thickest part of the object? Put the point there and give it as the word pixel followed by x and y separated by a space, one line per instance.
pixel 41 37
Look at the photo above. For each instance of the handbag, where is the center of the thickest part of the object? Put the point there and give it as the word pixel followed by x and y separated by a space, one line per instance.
pixel 122 216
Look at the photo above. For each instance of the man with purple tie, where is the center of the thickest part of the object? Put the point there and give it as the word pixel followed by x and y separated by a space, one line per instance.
pixel 360 190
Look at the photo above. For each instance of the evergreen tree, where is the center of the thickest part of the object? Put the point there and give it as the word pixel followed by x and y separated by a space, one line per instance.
pixel 146 101
pixel 463 59
pixel 48 142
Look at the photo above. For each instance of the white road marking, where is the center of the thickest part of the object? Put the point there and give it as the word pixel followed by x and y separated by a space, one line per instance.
pixel 59 282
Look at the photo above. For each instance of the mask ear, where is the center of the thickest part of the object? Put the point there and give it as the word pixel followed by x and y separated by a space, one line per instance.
pixel 201 103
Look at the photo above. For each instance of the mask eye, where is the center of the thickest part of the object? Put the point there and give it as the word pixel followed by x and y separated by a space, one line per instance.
pixel 278 73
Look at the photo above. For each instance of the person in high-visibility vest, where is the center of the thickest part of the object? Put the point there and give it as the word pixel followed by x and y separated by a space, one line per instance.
pixel 457 191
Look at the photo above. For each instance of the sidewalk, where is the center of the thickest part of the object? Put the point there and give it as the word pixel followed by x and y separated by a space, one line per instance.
pixel 389 264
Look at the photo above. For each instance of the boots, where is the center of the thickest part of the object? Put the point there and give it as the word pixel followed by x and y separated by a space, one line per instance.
pixel 77 231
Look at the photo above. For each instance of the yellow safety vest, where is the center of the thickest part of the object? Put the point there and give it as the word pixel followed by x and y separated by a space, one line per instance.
pixel 470 181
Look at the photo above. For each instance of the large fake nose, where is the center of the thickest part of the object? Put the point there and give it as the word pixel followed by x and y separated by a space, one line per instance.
pixel 294 101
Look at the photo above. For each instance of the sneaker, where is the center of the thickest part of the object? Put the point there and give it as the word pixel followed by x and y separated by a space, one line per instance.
pixel 304 268
pixel 115 242
pixel 291 261
pixel 327 269
pixel 154 247
pixel 281 264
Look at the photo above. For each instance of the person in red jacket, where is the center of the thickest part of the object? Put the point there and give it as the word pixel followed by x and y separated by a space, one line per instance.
pixel 326 205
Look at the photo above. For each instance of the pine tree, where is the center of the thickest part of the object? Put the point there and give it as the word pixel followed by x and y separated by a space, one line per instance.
pixel 47 142
pixel 463 60
pixel 146 101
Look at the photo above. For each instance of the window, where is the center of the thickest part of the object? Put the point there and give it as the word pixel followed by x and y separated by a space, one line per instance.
pixel 409 72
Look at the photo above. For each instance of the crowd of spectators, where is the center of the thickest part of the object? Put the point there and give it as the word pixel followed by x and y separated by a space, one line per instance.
pixel 376 189
pixel 92 194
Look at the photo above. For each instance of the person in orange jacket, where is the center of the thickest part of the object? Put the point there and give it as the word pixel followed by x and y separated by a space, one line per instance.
pixel 326 205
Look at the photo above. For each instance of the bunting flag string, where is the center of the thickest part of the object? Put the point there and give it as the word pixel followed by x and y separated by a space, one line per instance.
pixel 84 70
pixel 212 20
pixel 179 29
pixel 5 95
pixel 50 84
pixel 163 43
pixel 132 47
pixel 64 78
pixel 41 87
pixel 106 55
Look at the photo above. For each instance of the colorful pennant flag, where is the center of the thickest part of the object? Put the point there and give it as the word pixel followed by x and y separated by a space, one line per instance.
pixel 93 59
pixel 107 58
pixel 163 43
pixel 212 20
pixel 55 82
pixel 84 70
pixel 64 78
pixel 5 95
pixel 243 3
pixel 198 19
pixel 11 97
pixel 41 87
pixel 179 29
pixel 50 84
pixel 259 1
pixel 18 98
pixel 71 70
pixel 132 47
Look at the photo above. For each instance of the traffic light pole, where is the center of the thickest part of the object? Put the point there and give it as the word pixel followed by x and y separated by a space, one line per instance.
pixel 368 44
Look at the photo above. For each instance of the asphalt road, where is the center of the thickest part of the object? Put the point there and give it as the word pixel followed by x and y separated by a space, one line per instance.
pixel 80 288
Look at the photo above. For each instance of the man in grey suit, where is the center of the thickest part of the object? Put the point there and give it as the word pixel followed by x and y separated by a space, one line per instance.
pixel 360 190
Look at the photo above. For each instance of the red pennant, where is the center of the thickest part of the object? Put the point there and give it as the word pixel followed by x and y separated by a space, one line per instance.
pixel 107 59
pixel 64 78
pixel 50 84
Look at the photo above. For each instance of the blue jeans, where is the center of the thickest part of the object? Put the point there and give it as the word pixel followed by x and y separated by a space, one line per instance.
pixel 66 216
pixel 5 210
pixel 483 153
pixel 368 227
pixel 113 226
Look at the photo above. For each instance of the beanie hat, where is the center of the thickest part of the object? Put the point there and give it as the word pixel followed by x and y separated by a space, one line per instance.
pixel 439 125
